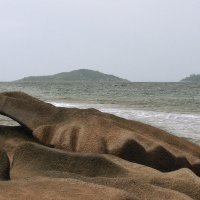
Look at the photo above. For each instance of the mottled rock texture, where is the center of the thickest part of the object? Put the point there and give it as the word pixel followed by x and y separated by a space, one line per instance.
pixel 69 153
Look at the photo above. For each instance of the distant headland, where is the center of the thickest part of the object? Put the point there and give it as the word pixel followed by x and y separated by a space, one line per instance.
pixel 76 75
pixel 192 78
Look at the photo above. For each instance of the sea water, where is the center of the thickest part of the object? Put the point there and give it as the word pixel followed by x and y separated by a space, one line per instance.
pixel 174 107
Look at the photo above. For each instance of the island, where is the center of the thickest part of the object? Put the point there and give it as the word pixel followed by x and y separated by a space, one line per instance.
pixel 192 78
pixel 76 75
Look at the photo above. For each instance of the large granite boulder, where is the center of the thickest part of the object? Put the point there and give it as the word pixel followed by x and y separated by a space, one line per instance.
pixel 70 153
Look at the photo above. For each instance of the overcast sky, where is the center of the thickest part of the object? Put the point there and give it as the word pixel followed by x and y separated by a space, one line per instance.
pixel 141 40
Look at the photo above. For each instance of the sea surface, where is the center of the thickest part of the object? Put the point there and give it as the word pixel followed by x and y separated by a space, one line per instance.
pixel 174 107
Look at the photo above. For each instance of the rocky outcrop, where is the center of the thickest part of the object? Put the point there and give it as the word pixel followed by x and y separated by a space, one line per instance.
pixel 59 188
pixel 4 166
pixel 96 150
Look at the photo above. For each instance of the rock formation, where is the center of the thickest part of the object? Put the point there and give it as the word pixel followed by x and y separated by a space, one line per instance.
pixel 96 154
pixel 4 166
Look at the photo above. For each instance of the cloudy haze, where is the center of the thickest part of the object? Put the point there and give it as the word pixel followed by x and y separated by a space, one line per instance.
pixel 141 40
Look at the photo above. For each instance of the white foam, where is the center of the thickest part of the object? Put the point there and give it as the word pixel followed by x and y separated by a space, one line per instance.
pixel 182 125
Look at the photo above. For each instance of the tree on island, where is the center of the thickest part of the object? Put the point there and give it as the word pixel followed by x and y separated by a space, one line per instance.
pixel 192 78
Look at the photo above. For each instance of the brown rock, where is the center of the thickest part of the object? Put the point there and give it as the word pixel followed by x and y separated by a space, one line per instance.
pixel 33 160
pixel 4 166
pixel 89 130
pixel 13 136
pixel 88 158
pixel 44 188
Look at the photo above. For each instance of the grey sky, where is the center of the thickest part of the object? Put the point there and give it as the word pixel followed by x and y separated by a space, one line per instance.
pixel 141 40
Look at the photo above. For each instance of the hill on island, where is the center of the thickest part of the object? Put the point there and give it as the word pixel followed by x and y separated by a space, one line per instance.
pixel 192 78
pixel 76 75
